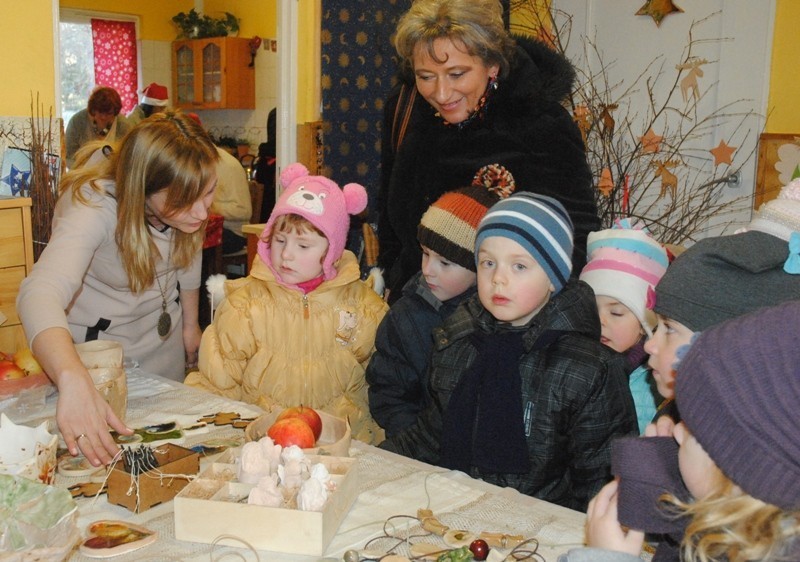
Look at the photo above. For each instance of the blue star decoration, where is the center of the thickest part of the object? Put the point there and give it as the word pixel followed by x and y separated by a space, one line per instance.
pixel 18 180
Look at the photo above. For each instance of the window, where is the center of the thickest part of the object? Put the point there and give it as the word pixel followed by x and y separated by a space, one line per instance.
pixel 96 49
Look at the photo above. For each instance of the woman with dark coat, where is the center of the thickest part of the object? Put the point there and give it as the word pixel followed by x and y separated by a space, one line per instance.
pixel 479 96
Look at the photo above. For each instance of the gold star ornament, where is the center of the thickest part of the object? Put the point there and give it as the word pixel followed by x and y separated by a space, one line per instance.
pixel 658 10
pixel 723 154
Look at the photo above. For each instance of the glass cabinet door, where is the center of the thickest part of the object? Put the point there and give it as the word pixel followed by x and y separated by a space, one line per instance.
pixel 184 74
pixel 212 73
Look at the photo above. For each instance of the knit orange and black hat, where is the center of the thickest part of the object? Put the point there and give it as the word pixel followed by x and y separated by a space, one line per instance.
pixel 449 226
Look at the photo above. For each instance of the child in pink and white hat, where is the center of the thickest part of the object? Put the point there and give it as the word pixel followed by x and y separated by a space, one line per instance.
pixel 300 328
pixel 625 264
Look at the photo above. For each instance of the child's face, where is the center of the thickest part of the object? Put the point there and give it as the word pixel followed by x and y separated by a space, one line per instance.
pixel 297 256
pixel 620 329
pixel 697 469
pixel 668 337
pixel 445 278
pixel 512 285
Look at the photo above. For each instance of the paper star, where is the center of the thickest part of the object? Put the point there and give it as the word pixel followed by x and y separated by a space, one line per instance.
pixel 723 153
pixel 651 142
pixel 17 179
pixel 658 10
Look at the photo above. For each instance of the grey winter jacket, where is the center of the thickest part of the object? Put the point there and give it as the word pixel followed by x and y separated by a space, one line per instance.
pixel 574 390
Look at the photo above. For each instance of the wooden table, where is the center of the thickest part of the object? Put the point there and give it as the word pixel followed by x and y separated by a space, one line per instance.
pixel 388 485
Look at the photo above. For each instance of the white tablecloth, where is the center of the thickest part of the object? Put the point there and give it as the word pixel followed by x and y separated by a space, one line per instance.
pixel 388 484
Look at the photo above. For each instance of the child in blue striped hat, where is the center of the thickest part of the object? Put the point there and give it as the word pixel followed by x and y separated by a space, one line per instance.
pixel 522 392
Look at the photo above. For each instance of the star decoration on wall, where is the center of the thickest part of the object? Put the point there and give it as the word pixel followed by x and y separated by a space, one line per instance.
pixel 723 154
pixel 17 179
pixel 658 10
pixel 651 142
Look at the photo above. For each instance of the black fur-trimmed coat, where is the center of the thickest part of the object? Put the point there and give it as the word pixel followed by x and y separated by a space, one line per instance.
pixel 526 129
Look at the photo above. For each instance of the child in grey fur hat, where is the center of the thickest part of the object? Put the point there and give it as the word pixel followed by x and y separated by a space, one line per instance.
pixel 716 279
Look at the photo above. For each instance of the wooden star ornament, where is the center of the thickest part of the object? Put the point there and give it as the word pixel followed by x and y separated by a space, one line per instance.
pixel 651 142
pixel 723 154
pixel 658 10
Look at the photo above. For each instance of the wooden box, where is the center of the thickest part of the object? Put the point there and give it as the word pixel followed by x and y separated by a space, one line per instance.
pixel 176 463
pixel 215 504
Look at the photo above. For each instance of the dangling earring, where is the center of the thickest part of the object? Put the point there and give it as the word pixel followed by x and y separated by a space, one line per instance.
pixel 493 82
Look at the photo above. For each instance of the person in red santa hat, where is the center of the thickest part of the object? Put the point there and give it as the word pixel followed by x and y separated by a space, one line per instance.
pixel 155 97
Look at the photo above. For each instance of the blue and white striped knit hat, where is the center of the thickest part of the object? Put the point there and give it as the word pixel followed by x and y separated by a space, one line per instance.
pixel 538 223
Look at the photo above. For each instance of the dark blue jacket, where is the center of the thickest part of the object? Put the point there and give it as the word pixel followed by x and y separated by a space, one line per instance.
pixel 575 390
pixel 397 370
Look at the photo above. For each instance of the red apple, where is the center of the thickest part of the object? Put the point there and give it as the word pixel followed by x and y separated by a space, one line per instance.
pixel 291 431
pixel 25 360
pixel 479 549
pixel 9 370
pixel 309 415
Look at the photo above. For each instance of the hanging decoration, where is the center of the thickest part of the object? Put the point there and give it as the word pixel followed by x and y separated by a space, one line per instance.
pixel 689 82
pixel 606 184
pixel 581 117
pixel 651 142
pixel 723 154
pixel 669 181
pixel 254 44
pixel 658 10
pixel 626 193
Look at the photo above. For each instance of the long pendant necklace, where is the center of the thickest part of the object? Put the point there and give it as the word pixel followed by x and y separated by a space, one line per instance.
pixel 164 320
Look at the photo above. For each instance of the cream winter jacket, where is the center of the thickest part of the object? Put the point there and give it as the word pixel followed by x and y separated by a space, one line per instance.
pixel 276 347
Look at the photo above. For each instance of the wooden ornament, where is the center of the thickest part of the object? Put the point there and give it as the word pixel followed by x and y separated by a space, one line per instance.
pixel 651 142
pixel 669 181
pixel 723 154
pixel 658 10
pixel 606 184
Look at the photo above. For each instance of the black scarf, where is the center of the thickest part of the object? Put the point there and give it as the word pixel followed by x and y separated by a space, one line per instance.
pixel 483 424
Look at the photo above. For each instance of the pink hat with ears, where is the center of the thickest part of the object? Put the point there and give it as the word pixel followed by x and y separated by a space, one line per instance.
pixel 321 202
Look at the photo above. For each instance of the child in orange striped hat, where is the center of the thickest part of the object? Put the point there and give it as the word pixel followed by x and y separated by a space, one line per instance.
pixel 446 234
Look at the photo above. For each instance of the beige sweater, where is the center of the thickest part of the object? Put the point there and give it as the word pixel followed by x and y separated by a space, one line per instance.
pixel 78 283
pixel 232 196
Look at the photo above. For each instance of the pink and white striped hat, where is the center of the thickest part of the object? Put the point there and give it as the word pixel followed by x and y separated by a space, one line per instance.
pixel 625 263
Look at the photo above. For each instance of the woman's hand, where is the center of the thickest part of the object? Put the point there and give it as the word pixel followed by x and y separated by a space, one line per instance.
pixel 603 529
pixel 83 418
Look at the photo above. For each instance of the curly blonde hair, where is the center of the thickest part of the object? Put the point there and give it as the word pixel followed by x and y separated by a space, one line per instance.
pixel 168 151
pixel 730 524
pixel 475 24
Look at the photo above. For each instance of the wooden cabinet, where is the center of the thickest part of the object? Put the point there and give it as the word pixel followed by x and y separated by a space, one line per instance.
pixel 213 73
pixel 16 261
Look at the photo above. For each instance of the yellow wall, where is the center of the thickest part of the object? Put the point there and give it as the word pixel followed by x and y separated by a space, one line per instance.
pixel 784 87
pixel 26 41
pixel 155 23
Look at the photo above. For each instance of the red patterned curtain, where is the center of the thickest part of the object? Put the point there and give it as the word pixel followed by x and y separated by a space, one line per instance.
pixel 114 45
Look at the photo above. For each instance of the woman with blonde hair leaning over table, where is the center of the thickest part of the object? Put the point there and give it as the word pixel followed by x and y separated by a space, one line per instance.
pixel 123 263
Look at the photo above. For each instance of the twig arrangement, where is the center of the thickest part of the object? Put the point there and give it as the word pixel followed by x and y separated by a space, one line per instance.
pixel 36 137
pixel 45 172
pixel 647 145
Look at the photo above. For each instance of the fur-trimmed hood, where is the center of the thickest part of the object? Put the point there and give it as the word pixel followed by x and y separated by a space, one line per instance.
pixel 543 73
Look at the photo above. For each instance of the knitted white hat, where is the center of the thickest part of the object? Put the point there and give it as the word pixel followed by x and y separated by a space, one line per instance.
pixel 625 263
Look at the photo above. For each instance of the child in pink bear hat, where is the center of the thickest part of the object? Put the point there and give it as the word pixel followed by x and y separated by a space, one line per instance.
pixel 300 328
